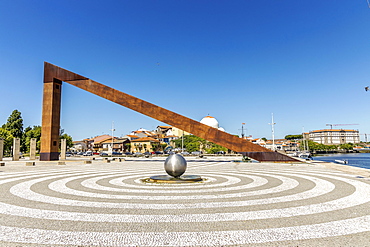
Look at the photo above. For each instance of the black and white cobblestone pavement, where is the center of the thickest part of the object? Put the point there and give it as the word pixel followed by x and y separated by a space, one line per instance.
pixel 239 204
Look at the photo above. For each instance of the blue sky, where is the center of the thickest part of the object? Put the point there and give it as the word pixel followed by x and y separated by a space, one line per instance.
pixel 307 62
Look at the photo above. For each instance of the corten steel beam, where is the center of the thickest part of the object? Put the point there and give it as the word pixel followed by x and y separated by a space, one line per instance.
pixel 196 128
pixel 50 120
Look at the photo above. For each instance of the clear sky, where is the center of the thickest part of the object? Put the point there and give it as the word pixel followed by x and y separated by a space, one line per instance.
pixel 307 62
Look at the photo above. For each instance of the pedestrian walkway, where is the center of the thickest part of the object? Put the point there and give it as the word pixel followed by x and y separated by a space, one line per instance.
pixel 238 204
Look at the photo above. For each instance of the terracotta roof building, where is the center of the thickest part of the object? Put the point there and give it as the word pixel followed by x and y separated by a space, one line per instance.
pixel 145 144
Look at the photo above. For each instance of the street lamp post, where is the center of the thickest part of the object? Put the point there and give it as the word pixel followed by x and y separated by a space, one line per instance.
pixel 112 136
pixel 272 131
pixel 182 142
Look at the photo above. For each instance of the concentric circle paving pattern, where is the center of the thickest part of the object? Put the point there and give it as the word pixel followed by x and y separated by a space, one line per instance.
pixel 107 204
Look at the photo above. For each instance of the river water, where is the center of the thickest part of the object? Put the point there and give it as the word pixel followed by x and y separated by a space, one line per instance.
pixel 354 159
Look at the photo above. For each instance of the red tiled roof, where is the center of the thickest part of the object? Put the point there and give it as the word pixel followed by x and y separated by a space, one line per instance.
pixel 114 140
pixel 78 142
pixel 145 139
pixel 100 139
pixel 333 130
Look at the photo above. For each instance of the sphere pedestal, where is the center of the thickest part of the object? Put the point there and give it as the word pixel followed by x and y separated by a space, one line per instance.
pixel 169 179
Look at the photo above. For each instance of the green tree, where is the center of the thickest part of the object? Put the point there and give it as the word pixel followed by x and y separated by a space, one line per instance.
pixel 193 143
pixel 14 124
pixel 332 147
pixel 128 147
pixel 293 137
pixel 346 146
pixel 29 133
pixel 317 146
pixel 214 148
pixel 8 141
pixel 310 145
pixel 156 146
pixel 192 146
pixel 163 146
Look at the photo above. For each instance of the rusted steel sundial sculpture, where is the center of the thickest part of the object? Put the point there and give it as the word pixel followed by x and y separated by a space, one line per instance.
pixel 53 78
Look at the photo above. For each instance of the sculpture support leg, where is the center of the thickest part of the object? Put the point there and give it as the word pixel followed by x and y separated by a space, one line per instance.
pixel 51 120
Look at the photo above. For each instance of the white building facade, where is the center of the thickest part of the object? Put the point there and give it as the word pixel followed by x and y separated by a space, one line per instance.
pixel 334 136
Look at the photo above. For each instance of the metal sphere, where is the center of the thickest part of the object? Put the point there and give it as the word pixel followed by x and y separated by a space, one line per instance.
pixel 175 165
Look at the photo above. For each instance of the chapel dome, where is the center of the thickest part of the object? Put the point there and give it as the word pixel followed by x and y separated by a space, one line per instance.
pixel 210 121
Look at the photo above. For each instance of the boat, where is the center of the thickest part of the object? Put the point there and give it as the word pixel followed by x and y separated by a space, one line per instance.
pixel 341 161
pixel 305 156
pixel 299 153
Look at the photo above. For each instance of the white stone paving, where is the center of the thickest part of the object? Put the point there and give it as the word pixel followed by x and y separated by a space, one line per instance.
pixel 225 188
pixel 211 238
pixel 60 186
pixel 321 188
pixel 360 196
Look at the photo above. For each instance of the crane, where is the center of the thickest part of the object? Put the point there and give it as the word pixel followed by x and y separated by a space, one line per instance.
pixel 331 125
pixel 365 136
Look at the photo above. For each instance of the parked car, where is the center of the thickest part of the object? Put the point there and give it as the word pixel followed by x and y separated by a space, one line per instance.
pixel 158 152
pixel 128 153
pixel 196 153
pixel 147 154
pixel 103 154
pixel 221 152
pixel 116 153
pixel 88 153
pixel 138 154
pixel 185 153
